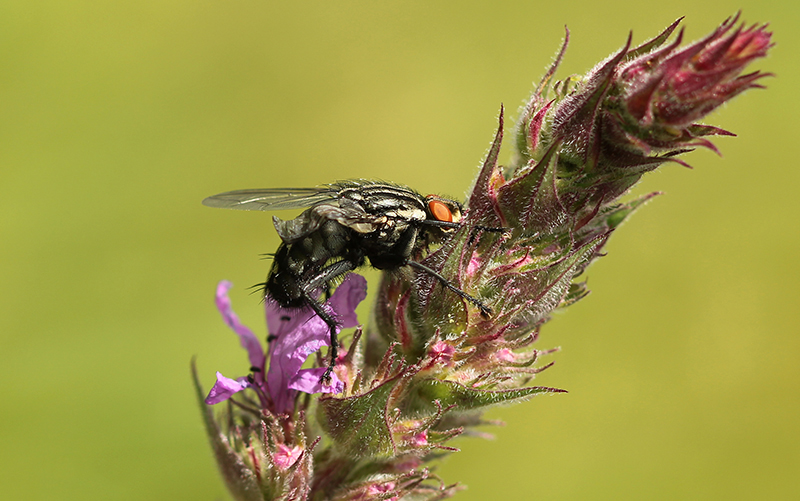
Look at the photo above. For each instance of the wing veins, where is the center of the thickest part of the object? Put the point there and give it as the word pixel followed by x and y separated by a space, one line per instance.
pixel 270 198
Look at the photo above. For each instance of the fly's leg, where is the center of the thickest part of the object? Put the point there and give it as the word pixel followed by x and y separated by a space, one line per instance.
pixel 323 279
pixel 326 317
pixel 486 229
pixel 485 310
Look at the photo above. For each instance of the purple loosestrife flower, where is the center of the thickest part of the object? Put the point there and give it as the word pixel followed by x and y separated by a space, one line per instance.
pixel 265 455
pixel 432 363
pixel 296 333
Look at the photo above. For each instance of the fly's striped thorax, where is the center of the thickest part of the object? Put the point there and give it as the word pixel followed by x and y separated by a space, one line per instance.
pixel 395 202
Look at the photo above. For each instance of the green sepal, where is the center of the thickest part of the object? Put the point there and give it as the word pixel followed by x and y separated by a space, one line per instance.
pixel 481 201
pixel 577 291
pixel 359 424
pixel 529 202
pixel 436 307
pixel 540 290
pixel 653 43
pixel 621 213
pixel 463 398
pixel 575 119
pixel 524 147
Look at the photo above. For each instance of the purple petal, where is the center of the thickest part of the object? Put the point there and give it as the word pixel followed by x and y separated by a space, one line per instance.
pixel 346 297
pixel 288 354
pixel 309 381
pixel 282 320
pixel 291 350
pixel 224 388
pixel 249 340
pixel 300 332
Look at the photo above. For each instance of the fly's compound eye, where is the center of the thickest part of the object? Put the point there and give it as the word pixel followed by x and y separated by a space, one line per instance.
pixel 440 211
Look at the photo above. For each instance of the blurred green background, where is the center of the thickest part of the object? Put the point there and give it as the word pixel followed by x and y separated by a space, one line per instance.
pixel 119 117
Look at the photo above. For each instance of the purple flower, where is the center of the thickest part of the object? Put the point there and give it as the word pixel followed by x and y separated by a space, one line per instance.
pixel 297 333
pixel 225 387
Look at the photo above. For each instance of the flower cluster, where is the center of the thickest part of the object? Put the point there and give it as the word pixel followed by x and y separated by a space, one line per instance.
pixel 431 362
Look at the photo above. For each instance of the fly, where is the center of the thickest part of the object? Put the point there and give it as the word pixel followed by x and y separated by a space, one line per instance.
pixel 344 225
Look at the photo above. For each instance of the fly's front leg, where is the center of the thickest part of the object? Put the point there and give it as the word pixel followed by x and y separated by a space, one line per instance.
pixel 485 229
pixel 485 310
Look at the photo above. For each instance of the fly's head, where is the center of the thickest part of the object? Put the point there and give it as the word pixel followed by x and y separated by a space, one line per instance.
pixel 442 218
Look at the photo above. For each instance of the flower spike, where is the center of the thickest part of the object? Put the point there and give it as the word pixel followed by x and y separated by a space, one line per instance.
pixel 429 363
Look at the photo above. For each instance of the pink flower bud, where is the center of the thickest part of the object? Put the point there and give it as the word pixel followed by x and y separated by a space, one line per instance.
pixel 285 456
pixel 675 87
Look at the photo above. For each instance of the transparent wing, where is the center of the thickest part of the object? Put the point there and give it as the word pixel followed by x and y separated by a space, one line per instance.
pixel 271 198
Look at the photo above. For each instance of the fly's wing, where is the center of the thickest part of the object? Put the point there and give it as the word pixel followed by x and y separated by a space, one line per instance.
pixel 324 202
pixel 272 198
pixel 349 216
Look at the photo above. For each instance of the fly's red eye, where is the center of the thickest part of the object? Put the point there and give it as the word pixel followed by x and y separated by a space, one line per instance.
pixel 440 211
